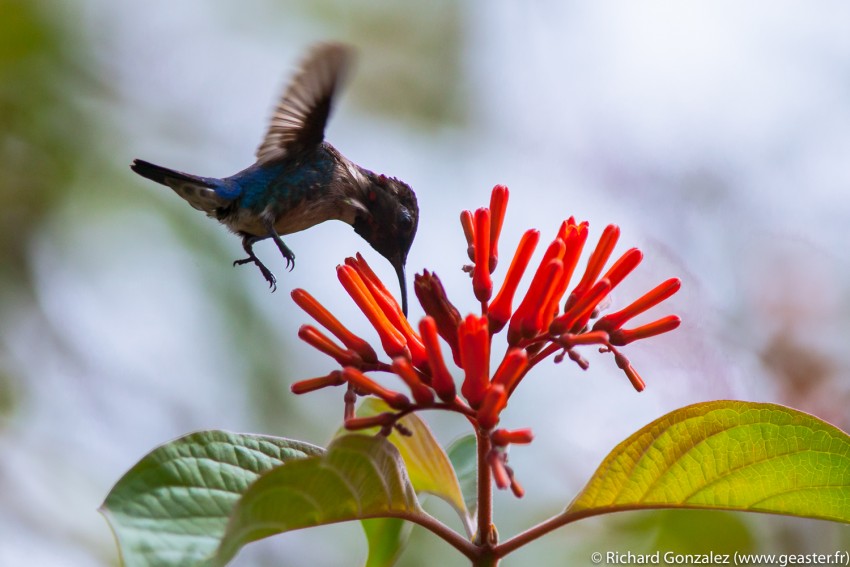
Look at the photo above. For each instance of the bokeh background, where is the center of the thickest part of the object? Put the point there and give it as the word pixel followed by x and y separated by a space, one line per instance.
pixel 716 134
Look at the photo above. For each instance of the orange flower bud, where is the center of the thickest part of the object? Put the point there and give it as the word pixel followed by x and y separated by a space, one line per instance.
pixel 474 343
pixel 500 472
pixel 498 205
pixel 595 263
pixel 626 366
pixel 569 340
pixel 318 340
pixel 429 290
pixel 574 236
pixel 324 317
pixel 512 369
pixel 468 225
pixel 577 315
pixel 504 437
pixel 441 379
pixel 482 285
pixel 392 340
pixel 517 488
pixel 500 308
pixel 495 400
pixel 650 299
pixel 624 266
pixel 312 384
pixel 380 420
pixel 529 318
pixel 421 393
pixel 390 308
pixel 395 400
pixel 622 337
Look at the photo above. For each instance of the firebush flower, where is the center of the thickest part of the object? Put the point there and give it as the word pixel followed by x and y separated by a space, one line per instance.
pixel 550 319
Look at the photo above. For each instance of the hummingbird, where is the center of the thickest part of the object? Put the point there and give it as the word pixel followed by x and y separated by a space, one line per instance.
pixel 299 180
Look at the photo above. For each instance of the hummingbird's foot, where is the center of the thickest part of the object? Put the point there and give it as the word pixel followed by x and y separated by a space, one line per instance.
pixel 288 255
pixel 248 245
pixel 267 274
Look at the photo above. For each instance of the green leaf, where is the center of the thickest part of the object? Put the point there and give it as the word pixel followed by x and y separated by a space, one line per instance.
pixel 359 477
pixel 727 455
pixel 427 464
pixel 386 537
pixel 173 507
pixel 463 455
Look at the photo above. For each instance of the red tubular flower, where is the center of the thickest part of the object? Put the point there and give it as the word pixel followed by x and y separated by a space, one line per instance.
pixel 421 393
pixel 389 307
pixel 650 299
pixel 622 337
pixel 380 420
pixel 500 308
pixel 500 472
pixel 376 287
pixel 429 290
pixel 574 236
pixel 596 262
pixel 512 369
pixel 577 315
pixel 315 338
pixel 468 224
pixel 504 437
pixel 392 340
pixel 498 206
pixel 474 342
pixel 626 366
pixel 482 285
pixel 623 267
pixel 569 340
pixel 312 384
pixel 495 400
pixel 537 328
pixel 528 319
pixel 322 316
pixel 441 379
pixel 395 400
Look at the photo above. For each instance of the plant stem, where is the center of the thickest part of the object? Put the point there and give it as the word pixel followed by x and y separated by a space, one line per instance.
pixel 446 533
pixel 547 526
pixel 485 538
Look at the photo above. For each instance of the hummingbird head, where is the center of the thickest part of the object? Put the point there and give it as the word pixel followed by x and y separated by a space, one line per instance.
pixel 387 221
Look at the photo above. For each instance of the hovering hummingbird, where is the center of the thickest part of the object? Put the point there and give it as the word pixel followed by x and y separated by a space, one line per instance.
pixel 299 180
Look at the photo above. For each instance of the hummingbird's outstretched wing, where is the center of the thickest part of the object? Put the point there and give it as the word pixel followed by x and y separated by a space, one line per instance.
pixel 298 122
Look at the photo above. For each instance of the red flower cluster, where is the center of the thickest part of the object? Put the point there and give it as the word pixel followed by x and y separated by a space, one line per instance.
pixel 539 327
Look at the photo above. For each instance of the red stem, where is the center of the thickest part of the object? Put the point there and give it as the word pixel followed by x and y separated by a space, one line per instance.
pixel 554 523
pixel 445 533
pixel 485 538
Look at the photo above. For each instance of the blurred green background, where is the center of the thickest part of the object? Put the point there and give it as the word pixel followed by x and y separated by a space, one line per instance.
pixel 715 134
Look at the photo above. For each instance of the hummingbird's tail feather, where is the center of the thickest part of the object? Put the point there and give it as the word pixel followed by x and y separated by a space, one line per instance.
pixel 200 192
pixel 164 175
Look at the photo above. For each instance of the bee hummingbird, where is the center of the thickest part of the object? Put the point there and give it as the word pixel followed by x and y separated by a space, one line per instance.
pixel 299 180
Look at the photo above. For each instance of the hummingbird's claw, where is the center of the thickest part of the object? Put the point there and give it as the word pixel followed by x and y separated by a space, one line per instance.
pixel 288 255
pixel 267 274
pixel 248 246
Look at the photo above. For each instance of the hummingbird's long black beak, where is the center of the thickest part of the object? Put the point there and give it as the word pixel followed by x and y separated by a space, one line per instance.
pixel 398 264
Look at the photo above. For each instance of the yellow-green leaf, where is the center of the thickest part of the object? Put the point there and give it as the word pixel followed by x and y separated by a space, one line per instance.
pixel 727 455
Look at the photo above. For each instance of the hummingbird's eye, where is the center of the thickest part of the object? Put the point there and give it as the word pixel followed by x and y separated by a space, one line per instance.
pixel 405 221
